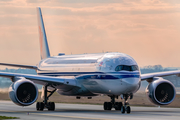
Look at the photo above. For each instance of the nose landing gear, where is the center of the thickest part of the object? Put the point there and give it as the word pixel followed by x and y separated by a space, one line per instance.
pixel 126 108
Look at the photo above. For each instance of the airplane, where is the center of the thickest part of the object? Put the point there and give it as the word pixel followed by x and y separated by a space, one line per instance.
pixel 114 74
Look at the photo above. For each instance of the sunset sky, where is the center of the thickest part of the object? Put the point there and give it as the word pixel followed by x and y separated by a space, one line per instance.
pixel 147 30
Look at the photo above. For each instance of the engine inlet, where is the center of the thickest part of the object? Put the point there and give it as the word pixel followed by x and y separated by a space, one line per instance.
pixel 164 93
pixel 26 93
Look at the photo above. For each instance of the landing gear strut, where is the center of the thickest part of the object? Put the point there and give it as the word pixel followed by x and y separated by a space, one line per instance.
pixel 45 104
pixel 112 104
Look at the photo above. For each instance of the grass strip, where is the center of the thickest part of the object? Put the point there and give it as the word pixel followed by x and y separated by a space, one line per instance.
pixel 5 117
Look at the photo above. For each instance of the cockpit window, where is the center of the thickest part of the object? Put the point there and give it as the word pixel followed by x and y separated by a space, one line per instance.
pixel 126 68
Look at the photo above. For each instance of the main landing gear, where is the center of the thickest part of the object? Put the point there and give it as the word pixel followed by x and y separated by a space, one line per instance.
pixel 45 104
pixel 118 105
pixel 112 104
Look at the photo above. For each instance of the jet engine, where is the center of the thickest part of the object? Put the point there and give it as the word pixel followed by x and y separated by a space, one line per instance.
pixel 23 92
pixel 161 91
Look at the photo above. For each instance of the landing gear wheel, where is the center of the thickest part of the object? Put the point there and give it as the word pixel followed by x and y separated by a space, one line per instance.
pixel 128 109
pixel 123 109
pixel 37 106
pixel 118 105
pixel 51 106
pixel 109 104
pixel 41 106
pixel 105 105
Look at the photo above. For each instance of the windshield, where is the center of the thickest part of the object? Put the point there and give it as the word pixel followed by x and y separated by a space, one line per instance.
pixel 126 68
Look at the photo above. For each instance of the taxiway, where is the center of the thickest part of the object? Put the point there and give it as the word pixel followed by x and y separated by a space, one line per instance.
pixel 83 111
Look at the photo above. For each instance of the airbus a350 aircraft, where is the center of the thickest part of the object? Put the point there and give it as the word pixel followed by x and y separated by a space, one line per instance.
pixel 112 74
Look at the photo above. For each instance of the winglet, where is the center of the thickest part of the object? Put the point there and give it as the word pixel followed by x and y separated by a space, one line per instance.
pixel 44 49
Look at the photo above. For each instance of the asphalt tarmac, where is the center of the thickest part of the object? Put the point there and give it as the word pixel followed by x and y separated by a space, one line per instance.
pixel 87 112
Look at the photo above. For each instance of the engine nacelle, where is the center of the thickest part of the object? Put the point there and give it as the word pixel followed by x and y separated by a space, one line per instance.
pixel 23 92
pixel 161 91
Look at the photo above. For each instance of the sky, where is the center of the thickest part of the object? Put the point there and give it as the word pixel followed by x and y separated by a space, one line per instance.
pixel 147 30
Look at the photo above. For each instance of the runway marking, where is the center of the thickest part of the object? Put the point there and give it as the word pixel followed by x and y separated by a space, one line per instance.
pixel 72 116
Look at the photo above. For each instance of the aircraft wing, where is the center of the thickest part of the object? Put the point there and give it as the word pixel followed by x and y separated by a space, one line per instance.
pixel 39 79
pixel 18 65
pixel 159 74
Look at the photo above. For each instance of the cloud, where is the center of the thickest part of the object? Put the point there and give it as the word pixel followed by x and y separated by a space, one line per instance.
pixel 77 1
pixel 5 0
pixel 137 27
pixel 37 1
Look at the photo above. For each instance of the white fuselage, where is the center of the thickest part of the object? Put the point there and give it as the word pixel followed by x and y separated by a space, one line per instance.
pixel 94 73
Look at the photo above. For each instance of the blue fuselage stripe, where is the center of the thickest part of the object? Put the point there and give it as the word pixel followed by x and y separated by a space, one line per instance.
pixel 81 73
pixel 107 76
pixel 96 75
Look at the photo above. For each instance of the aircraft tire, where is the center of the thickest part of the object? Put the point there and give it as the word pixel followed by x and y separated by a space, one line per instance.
pixel 51 106
pixel 109 106
pixel 118 105
pixel 37 106
pixel 123 109
pixel 105 105
pixel 128 109
pixel 41 106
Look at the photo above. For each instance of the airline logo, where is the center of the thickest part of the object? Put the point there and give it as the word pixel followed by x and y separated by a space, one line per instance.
pixel 101 63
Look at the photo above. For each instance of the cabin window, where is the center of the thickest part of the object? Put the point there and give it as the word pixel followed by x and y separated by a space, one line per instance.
pixel 126 68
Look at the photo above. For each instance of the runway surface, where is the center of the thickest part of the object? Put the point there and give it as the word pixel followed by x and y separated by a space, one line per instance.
pixel 83 111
